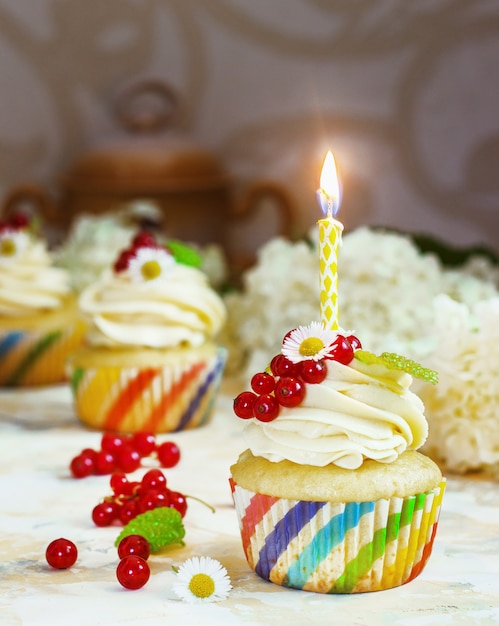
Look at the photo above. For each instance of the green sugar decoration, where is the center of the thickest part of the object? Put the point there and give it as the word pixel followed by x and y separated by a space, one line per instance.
pixel 396 362
pixel 184 254
pixel 161 527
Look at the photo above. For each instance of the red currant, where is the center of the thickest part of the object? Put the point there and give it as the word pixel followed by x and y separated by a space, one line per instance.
pixel 263 383
pixel 152 499
pixel 128 511
pixel 354 342
pixel 342 350
pixel 144 239
pixel 266 408
pixel 178 501
pixel 61 553
pixel 153 479
pixel 132 572
pixel 313 372
pixel 123 260
pixel 144 443
pixel 119 484
pixel 128 459
pixel 168 454
pixel 82 466
pixel 134 544
pixel 105 513
pixel 289 391
pixel 104 463
pixel 19 220
pixel 111 442
pixel 281 366
pixel 243 405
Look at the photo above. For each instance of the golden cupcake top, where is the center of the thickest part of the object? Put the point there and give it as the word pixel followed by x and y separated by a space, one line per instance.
pixel 323 400
pixel 29 283
pixel 153 296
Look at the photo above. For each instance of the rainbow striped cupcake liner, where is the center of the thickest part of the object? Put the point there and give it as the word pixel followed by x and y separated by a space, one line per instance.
pixel 31 358
pixel 176 397
pixel 330 547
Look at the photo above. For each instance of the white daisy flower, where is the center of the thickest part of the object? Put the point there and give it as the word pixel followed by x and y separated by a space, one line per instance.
pixel 202 579
pixel 12 244
pixel 309 342
pixel 150 264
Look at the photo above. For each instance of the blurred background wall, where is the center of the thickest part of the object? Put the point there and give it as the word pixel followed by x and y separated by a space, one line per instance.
pixel 405 94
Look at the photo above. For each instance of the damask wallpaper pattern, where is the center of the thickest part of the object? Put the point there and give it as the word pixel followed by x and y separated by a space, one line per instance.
pixel 405 93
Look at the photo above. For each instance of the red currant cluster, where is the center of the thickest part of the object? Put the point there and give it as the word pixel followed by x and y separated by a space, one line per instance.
pixel 131 498
pixel 285 385
pixel 17 221
pixel 123 453
pixel 144 239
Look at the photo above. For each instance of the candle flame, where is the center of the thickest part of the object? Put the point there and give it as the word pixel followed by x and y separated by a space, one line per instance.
pixel 329 192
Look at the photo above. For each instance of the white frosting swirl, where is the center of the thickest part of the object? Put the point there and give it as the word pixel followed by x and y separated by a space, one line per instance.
pixel 359 412
pixel 179 309
pixel 28 282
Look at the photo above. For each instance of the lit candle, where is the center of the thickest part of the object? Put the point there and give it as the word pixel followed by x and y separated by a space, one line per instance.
pixel 330 231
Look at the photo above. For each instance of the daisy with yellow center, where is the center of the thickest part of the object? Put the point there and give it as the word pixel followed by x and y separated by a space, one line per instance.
pixel 150 264
pixel 12 244
pixel 308 342
pixel 202 579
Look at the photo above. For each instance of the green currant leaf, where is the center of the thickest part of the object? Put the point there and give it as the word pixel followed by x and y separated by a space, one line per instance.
pixel 183 253
pixel 161 527
pixel 396 362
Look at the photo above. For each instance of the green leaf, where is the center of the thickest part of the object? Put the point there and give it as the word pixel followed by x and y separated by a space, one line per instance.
pixel 184 254
pixel 161 527
pixel 396 362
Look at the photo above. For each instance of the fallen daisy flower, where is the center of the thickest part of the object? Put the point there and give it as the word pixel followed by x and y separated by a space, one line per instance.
pixel 201 579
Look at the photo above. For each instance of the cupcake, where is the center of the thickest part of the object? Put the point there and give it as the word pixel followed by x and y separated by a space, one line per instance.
pixel 150 362
pixel 331 493
pixel 39 324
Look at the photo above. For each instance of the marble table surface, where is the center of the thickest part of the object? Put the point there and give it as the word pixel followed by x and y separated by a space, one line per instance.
pixel 39 435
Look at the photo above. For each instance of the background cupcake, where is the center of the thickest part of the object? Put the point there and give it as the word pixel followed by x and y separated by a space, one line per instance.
pixel 150 362
pixel 39 324
pixel 331 494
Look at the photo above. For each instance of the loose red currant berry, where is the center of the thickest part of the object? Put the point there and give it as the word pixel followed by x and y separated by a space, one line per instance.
pixel 123 260
pixel 263 383
pixel 313 372
pixel 281 366
pixel 153 479
pixel 82 466
pixel 144 443
pixel 144 239
pixel 61 553
pixel 289 391
pixel 152 500
pixel 104 463
pixel 111 442
pixel 266 408
pixel 132 572
pixel 243 405
pixel 134 544
pixel 128 459
pixel 354 342
pixel 104 513
pixel 342 351
pixel 178 501
pixel 168 454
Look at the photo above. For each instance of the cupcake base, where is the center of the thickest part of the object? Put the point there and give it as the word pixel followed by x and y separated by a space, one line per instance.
pixel 334 547
pixel 147 390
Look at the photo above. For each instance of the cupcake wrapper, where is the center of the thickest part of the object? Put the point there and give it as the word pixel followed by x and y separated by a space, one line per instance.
pixel 154 399
pixel 332 547
pixel 36 357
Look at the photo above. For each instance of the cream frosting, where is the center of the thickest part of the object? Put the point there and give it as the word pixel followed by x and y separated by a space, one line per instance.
pixel 178 309
pixel 29 284
pixel 358 412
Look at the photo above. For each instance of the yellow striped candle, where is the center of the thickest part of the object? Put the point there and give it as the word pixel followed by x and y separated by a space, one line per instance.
pixel 330 231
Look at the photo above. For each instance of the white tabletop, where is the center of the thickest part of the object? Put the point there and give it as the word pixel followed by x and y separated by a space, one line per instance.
pixel 40 502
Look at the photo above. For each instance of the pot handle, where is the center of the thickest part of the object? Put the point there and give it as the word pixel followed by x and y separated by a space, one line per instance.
pixel 32 194
pixel 263 189
pixel 146 106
